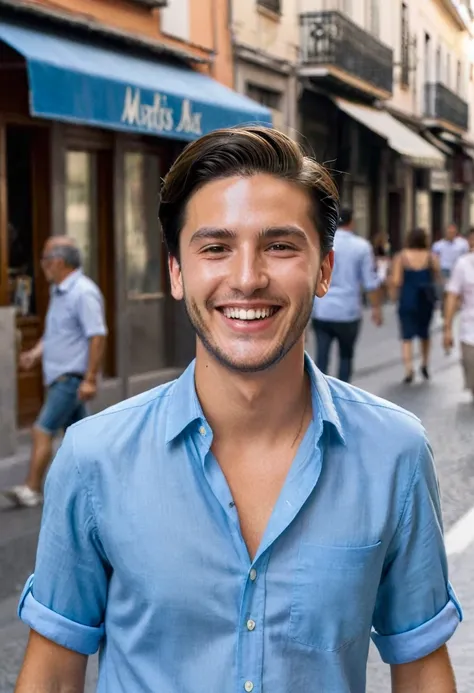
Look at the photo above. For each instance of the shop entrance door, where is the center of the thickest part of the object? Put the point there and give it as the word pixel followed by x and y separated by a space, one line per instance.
pixel 437 215
pixel 27 178
pixel 395 221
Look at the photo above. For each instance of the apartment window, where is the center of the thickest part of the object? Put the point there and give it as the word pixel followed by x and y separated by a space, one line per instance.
pixel 373 16
pixel 272 5
pixel 438 64
pixel 427 59
pixel 405 48
pixel 264 96
pixel 175 20
pixel 448 70
pixel 459 78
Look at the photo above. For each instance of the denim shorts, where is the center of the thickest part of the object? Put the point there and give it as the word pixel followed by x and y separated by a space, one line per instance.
pixel 61 407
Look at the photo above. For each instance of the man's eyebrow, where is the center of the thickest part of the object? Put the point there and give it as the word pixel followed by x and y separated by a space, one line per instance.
pixel 216 233
pixel 284 232
pixel 212 233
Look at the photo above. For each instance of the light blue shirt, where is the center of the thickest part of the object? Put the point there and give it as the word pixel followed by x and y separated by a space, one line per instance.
pixel 449 252
pixel 141 553
pixel 75 314
pixel 354 270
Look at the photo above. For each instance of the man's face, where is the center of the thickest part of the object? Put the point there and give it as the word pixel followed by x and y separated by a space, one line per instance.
pixel 451 232
pixel 52 266
pixel 250 266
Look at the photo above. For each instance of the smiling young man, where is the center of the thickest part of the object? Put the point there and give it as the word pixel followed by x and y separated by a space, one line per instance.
pixel 245 527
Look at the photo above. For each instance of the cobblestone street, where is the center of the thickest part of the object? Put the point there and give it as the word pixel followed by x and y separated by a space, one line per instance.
pixel 448 415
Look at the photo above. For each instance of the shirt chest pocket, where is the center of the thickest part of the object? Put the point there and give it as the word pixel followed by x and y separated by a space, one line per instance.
pixel 334 595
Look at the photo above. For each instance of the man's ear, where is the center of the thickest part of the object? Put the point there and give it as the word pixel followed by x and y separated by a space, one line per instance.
pixel 176 279
pixel 325 273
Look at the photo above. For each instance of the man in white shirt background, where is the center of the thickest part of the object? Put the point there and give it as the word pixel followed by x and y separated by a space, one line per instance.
pixel 460 295
pixel 449 249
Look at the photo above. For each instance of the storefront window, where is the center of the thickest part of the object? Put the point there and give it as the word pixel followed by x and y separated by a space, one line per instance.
pixel 81 207
pixel 143 244
pixel 21 268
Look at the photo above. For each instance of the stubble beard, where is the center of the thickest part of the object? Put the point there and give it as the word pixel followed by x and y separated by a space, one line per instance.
pixel 294 332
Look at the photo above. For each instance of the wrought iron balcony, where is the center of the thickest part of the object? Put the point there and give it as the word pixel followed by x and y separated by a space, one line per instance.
pixel 443 104
pixel 329 39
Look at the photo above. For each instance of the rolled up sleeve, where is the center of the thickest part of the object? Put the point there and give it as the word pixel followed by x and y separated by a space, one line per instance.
pixel 417 610
pixel 65 599
pixel 91 314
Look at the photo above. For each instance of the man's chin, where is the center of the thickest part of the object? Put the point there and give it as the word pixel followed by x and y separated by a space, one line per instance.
pixel 246 363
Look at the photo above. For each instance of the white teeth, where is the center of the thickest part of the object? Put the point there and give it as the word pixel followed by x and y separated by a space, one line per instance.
pixel 251 314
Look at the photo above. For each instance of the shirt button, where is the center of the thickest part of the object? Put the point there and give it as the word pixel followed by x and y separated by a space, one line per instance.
pixel 248 686
pixel 251 624
pixel 253 575
pixel 202 431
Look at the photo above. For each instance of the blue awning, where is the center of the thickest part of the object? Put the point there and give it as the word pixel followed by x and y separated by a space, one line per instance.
pixel 78 82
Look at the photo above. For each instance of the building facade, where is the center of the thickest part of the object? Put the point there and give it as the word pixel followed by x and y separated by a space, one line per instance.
pixel 265 52
pixel 433 92
pixel 347 71
pixel 384 101
pixel 94 107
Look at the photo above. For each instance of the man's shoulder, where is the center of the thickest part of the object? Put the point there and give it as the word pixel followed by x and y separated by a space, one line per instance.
pixel 85 285
pixel 127 416
pixel 371 417
pixel 348 240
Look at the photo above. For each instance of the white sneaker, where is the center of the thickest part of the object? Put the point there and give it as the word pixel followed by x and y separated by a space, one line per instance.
pixel 24 496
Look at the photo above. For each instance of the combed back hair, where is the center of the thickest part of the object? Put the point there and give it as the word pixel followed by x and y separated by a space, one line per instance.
pixel 246 151
pixel 69 253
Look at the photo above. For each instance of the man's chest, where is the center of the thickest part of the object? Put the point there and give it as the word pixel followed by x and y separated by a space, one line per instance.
pixel 62 319
pixel 179 555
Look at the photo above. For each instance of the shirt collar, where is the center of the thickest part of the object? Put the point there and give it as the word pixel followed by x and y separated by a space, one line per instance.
pixel 67 284
pixel 185 409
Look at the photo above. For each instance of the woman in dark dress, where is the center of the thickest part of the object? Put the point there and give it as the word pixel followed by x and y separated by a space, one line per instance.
pixel 415 274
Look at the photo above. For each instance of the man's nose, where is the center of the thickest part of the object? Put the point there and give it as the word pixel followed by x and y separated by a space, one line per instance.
pixel 249 272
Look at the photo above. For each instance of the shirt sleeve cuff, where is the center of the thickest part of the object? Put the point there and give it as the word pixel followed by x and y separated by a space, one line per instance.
pixel 74 636
pixel 422 641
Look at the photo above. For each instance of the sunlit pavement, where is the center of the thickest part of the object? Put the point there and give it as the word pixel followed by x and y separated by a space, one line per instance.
pixel 448 415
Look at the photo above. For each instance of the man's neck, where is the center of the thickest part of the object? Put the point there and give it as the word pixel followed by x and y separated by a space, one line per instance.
pixel 345 228
pixel 255 405
pixel 63 278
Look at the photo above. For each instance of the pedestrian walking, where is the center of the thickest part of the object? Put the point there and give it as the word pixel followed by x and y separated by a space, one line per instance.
pixel 337 316
pixel 449 249
pixel 460 295
pixel 70 350
pixel 245 526
pixel 415 275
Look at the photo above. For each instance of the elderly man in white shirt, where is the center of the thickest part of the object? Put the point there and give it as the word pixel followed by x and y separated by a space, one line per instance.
pixel 449 249
pixel 460 294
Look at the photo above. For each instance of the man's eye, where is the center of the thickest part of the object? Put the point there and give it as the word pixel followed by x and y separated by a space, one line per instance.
pixel 214 249
pixel 280 247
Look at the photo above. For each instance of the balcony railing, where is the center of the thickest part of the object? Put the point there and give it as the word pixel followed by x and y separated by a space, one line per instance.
pixel 443 104
pixel 329 38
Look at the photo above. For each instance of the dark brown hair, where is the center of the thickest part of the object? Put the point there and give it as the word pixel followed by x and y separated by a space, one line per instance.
pixel 246 151
pixel 417 240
